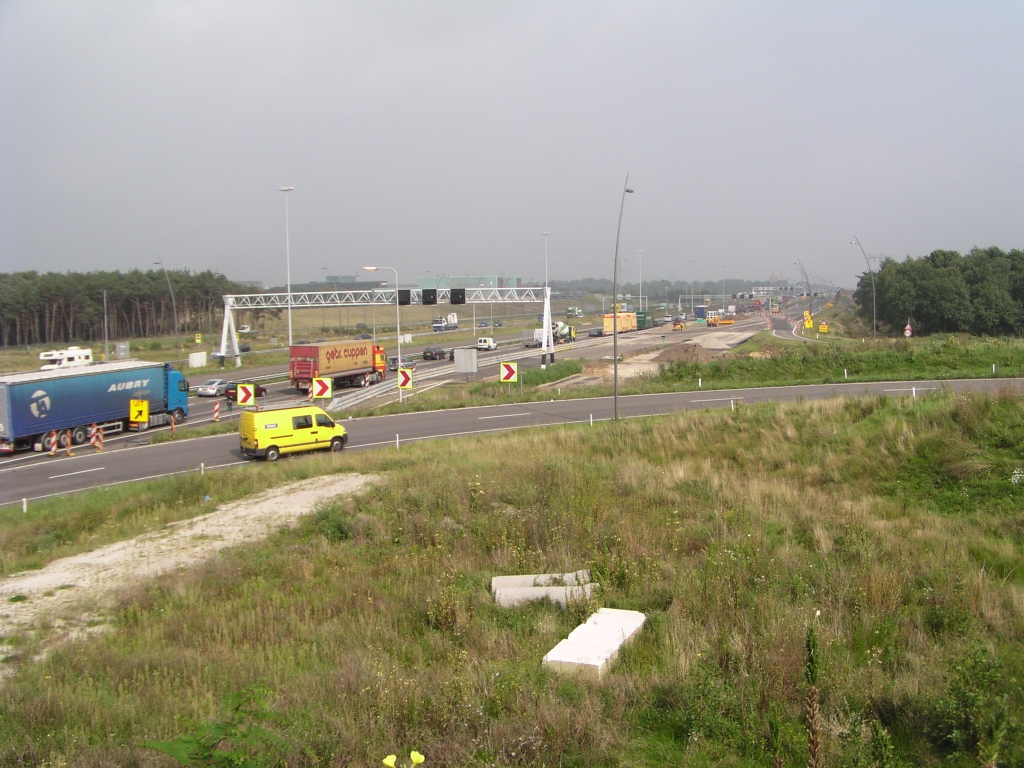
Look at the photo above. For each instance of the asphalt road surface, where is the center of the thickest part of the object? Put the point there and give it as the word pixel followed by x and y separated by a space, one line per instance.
pixel 32 476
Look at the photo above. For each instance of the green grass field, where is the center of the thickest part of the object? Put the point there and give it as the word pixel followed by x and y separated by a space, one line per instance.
pixel 892 527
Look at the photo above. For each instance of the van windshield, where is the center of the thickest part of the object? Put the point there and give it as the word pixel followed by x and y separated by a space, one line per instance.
pixel 323 420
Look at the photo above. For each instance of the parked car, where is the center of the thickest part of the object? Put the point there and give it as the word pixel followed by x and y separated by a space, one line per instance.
pixel 434 353
pixel 482 324
pixel 212 388
pixel 243 347
pixel 231 391
pixel 363 336
pixel 497 324
pixel 407 362
pixel 595 332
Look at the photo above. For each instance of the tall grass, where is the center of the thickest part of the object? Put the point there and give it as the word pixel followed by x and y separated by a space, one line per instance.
pixel 733 531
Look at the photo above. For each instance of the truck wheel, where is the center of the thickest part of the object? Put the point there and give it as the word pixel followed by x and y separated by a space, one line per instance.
pixel 337 444
pixel 46 440
pixel 79 435
pixel 179 416
pixel 272 453
pixel 64 438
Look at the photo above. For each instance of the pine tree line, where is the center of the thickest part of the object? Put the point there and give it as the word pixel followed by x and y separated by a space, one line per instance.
pixel 57 308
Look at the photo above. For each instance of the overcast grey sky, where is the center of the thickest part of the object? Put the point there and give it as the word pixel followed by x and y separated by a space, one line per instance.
pixel 446 136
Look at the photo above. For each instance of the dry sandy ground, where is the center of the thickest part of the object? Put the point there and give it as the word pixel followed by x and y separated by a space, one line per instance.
pixel 69 595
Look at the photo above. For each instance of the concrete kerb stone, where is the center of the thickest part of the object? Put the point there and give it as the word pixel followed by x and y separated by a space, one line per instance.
pixel 591 648
pixel 541 580
pixel 509 597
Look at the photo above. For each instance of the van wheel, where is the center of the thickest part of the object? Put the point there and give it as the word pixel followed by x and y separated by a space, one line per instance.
pixel 337 444
pixel 79 435
pixel 272 453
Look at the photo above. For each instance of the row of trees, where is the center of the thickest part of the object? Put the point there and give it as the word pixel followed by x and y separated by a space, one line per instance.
pixel 981 293
pixel 56 307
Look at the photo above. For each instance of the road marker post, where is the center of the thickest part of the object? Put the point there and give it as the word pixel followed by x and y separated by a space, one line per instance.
pixel 216 412
pixel 53 442
pixel 67 445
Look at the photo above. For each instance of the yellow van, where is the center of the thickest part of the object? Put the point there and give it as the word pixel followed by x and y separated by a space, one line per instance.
pixel 268 432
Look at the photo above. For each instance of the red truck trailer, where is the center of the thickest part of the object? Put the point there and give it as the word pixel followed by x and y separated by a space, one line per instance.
pixel 348 363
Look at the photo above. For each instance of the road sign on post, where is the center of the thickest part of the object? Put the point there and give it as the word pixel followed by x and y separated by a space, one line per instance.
pixel 199 338
pixel 908 331
pixel 246 394
pixel 139 412
pixel 322 388
pixel 405 378
pixel 509 373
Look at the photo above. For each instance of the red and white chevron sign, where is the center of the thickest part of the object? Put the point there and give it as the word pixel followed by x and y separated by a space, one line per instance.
pixel 321 388
pixel 509 373
pixel 404 378
pixel 246 394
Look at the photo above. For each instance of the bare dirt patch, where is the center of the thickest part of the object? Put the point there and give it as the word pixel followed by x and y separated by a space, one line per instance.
pixel 71 595
pixel 687 353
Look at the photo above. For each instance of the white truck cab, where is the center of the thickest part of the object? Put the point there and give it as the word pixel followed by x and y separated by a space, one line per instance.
pixel 486 343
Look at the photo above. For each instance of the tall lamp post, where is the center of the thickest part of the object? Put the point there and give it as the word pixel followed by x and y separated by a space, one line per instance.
pixel 174 306
pixel 288 259
pixel 398 319
pixel 874 305
pixel 640 259
pixel 615 303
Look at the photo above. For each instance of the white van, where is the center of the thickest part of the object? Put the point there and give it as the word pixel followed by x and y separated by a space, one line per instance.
pixel 486 343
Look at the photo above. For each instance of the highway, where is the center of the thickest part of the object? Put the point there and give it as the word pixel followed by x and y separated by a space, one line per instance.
pixel 34 476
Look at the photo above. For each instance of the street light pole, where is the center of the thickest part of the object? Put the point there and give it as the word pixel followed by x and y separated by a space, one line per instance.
pixel 398 319
pixel 874 305
pixel 174 306
pixel 640 259
pixel 288 259
pixel 615 303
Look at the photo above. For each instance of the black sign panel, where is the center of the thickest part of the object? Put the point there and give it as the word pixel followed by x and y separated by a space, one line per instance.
pixel 405 298
pixel 429 296
pixel 458 296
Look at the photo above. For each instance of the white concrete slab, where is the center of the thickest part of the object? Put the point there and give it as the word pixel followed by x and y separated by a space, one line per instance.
pixel 541 580
pixel 508 597
pixel 591 648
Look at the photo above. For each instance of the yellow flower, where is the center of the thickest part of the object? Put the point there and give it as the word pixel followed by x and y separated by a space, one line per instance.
pixel 389 761
pixel 416 757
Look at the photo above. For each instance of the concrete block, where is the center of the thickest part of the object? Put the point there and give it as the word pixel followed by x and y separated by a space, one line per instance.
pixel 591 648
pixel 541 580
pixel 507 597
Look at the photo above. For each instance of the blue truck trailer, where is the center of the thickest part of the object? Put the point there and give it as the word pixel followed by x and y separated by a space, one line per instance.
pixel 35 405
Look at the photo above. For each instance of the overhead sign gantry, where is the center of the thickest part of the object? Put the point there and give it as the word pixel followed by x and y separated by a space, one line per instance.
pixel 366 298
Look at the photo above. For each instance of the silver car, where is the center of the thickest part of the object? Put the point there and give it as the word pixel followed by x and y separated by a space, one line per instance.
pixel 212 388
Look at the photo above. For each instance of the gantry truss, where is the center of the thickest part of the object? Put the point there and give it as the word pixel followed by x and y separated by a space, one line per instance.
pixel 370 297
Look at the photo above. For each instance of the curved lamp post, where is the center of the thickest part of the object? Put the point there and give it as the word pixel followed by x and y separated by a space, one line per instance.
pixel 398 318
pixel 615 302
pixel 174 306
pixel 874 305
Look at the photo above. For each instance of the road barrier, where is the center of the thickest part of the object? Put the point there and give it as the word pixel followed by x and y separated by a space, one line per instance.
pixel 96 438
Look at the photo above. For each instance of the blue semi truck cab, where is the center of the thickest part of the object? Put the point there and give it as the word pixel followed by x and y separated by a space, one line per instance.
pixel 37 405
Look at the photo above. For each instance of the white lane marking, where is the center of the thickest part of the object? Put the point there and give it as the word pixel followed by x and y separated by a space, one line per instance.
pixel 908 389
pixel 716 399
pixel 79 472
pixel 501 416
